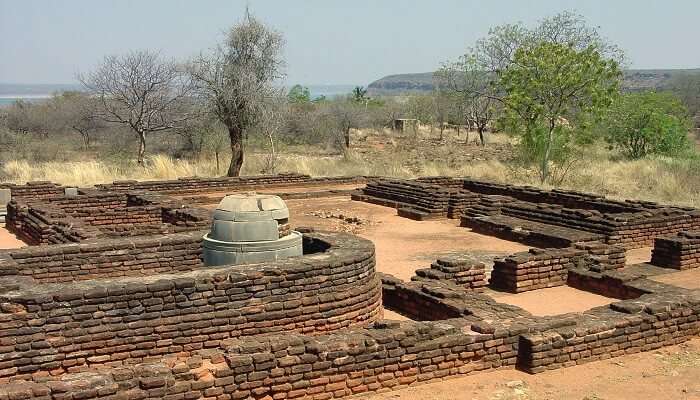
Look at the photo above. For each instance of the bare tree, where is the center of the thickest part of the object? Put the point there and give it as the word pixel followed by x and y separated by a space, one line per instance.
pixel 78 112
pixel 269 124
pixel 236 80
pixel 472 89
pixel 141 91
pixel 344 115
pixel 25 117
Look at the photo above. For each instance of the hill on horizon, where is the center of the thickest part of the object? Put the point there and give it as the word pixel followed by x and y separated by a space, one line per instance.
pixel 634 79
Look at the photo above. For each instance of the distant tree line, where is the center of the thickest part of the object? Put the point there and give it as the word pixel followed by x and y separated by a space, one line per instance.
pixel 554 86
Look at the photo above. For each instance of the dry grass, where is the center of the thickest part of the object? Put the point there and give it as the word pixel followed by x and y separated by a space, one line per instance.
pixel 654 179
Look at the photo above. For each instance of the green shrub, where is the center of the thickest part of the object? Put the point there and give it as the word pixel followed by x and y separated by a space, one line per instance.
pixel 639 124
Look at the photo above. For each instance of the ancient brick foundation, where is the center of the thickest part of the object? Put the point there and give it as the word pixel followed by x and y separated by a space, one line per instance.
pixel 198 185
pixel 70 326
pixel 680 251
pixel 92 214
pixel 533 216
pixel 463 270
pixel 391 355
pixel 34 190
pixel 134 314
pixel 535 269
pixel 632 327
pixel 415 200
pixel 544 268
pixel 141 256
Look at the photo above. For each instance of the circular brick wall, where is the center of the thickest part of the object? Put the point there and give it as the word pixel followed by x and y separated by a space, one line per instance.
pixel 132 319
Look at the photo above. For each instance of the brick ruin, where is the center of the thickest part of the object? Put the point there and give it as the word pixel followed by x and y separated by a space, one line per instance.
pixel 111 299
pixel 58 218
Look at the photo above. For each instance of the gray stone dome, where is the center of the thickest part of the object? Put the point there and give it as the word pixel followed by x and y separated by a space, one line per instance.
pixel 249 228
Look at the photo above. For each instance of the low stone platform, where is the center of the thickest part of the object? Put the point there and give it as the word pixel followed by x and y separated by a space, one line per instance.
pixel 528 232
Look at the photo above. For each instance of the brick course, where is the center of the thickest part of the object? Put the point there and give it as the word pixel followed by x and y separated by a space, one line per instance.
pixel 142 256
pixel 680 251
pixel 463 270
pixel 93 214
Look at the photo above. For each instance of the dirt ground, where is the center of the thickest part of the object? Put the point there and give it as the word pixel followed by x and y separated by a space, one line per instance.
pixel 402 245
pixel 670 373
pixel 637 256
pixel 538 302
pixel 8 240
pixel 689 279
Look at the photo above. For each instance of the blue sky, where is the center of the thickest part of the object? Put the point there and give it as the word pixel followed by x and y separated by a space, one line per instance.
pixel 328 41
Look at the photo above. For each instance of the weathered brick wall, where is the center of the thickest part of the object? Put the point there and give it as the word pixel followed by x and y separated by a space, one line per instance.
pixel 602 257
pixel 444 181
pixel 531 233
pixel 632 224
pixel 93 214
pixel 611 283
pixel 568 199
pixel 543 268
pixel 177 213
pixel 416 301
pixel 461 200
pixel 63 327
pixel 534 269
pixel 45 225
pixel 143 256
pixel 435 300
pixel 34 190
pixel 627 327
pixel 109 210
pixel 415 200
pixel 631 230
pixel 680 251
pixel 85 202
pixel 463 270
pixel 389 355
pixel 198 185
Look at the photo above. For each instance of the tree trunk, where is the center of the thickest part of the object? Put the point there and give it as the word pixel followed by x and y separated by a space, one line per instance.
pixel 347 138
pixel 142 147
pixel 545 157
pixel 86 137
pixel 236 136
pixel 86 140
pixel 272 161
pixel 481 135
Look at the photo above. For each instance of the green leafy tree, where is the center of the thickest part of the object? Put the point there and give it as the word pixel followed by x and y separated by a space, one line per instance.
pixel 549 86
pixel 359 94
pixel 299 95
pixel 645 123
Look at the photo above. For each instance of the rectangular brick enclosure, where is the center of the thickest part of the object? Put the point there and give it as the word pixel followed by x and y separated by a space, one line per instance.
pixel 52 219
pixel 112 300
